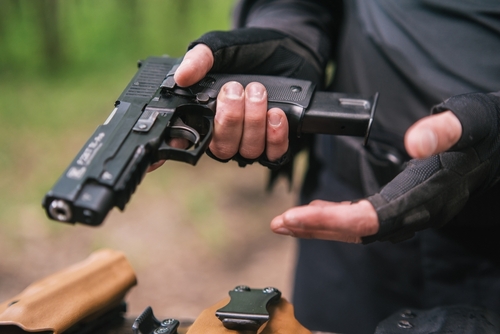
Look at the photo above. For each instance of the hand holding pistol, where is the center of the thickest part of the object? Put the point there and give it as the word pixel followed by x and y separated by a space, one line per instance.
pixel 152 110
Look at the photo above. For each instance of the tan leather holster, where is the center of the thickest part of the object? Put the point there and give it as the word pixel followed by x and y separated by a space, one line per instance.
pixel 74 295
pixel 282 321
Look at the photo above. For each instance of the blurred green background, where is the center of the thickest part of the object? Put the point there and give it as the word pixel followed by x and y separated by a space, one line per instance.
pixel 62 64
pixel 191 233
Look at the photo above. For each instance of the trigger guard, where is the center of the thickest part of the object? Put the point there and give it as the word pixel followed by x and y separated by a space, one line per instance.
pixel 190 154
pixel 181 130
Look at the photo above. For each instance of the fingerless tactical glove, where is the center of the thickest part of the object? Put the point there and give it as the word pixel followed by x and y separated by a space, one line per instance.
pixel 430 192
pixel 260 51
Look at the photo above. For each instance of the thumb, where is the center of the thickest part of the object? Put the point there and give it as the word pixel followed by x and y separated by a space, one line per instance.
pixel 195 65
pixel 433 134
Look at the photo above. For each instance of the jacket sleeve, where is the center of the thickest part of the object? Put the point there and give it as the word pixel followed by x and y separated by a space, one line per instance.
pixel 312 23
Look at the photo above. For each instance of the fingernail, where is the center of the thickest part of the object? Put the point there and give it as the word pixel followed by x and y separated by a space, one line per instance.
pixel 256 92
pixel 283 231
pixel 290 220
pixel 428 141
pixel 185 62
pixel 179 73
pixel 233 90
pixel 274 119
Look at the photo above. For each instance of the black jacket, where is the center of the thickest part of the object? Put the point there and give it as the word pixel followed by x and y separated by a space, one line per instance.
pixel 416 54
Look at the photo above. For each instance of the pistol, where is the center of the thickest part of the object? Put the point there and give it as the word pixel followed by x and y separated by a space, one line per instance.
pixel 153 109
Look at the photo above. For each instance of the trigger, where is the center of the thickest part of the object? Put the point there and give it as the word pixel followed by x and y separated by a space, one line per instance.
pixel 180 130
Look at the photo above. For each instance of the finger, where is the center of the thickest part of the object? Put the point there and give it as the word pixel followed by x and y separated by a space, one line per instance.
pixel 254 125
pixel 433 134
pixel 178 143
pixel 276 134
pixel 336 221
pixel 155 166
pixel 305 234
pixel 322 203
pixel 228 121
pixel 195 65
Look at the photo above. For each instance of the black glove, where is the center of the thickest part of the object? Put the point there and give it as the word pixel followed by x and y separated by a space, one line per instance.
pixel 260 51
pixel 430 192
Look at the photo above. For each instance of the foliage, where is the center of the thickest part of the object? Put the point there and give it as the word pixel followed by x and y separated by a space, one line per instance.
pixel 62 64
pixel 56 35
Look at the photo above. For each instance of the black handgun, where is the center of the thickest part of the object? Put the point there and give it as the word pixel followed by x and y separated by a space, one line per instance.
pixel 153 109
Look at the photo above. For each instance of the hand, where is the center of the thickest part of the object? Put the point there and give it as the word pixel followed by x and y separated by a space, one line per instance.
pixel 432 135
pixel 242 122
pixel 347 221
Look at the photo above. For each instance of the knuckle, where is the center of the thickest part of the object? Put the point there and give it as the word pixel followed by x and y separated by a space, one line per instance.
pixel 251 151
pixel 229 120
pixel 364 228
pixel 223 150
pixel 350 239
pixel 317 202
pixel 229 117
pixel 255 120
pixel 279 141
